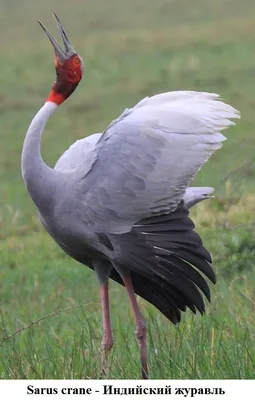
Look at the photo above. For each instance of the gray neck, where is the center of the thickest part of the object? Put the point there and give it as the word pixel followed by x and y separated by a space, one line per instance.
pixel 40 180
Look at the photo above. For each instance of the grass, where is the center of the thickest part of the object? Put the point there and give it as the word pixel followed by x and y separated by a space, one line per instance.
pixel 132 49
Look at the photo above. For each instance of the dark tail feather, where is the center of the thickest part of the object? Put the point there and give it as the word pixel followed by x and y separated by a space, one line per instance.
pixel 169 278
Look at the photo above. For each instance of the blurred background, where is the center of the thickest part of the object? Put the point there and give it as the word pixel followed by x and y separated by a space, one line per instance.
pixel 131 49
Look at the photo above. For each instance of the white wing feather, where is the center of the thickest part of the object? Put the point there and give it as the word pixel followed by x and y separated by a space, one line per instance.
pixel 184 112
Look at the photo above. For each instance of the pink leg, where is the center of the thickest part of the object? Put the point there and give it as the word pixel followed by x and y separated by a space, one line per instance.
pixel 141 329
pixel 107 341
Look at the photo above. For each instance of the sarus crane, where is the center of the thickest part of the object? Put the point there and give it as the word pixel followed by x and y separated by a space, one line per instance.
pixel 118 202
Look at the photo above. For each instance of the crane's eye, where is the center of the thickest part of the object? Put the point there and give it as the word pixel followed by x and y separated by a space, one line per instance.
pixel 77 61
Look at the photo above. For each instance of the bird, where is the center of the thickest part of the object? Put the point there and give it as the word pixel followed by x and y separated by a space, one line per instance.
pixel 118 201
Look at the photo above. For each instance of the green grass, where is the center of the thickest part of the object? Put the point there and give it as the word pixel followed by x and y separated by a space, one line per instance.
pixel 131 49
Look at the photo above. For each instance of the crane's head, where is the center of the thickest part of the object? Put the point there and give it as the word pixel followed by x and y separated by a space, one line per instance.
pixel 69 66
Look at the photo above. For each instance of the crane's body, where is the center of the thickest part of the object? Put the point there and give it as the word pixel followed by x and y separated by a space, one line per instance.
pixel 118 201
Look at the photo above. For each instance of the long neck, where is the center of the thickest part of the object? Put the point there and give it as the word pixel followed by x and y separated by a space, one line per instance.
pixel 40 180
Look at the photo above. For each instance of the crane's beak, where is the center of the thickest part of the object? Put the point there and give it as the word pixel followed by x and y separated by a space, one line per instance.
pixel 61 54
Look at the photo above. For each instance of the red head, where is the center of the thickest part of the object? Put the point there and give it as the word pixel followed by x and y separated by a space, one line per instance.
pixel 69 67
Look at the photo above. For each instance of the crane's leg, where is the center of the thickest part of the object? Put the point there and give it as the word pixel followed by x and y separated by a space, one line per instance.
pixel 103 271
pixel 141 329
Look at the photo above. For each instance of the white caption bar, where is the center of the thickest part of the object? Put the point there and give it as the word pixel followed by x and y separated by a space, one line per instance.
pixel 121 389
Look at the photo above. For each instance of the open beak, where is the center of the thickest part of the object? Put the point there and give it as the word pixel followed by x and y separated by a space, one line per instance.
pixel 62 55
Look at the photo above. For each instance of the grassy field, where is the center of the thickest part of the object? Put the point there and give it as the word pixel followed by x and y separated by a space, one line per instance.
pixel 131 49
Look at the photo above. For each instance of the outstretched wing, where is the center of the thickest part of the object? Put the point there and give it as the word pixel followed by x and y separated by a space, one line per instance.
pixel 74 157
pixel 147 158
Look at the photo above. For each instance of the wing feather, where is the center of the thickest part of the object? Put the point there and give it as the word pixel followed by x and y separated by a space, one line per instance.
pixel 147 158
